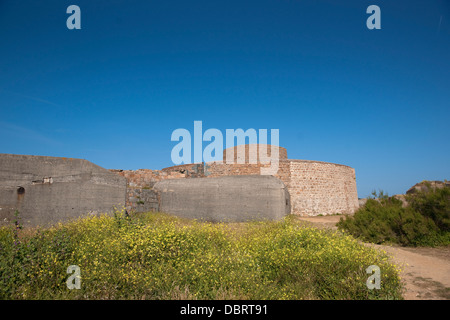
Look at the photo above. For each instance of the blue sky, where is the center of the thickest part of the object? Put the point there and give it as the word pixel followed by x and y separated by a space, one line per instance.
pixel 114 91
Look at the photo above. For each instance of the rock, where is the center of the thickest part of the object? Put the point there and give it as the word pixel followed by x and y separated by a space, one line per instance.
pixel 402 198
pixel 425 185
pixel 362 202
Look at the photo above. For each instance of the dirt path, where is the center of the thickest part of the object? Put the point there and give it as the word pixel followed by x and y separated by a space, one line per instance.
pixel 426 271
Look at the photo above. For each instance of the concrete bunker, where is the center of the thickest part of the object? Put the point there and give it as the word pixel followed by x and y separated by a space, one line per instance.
pixel 47 190
pixel 224 199
pixel 315 187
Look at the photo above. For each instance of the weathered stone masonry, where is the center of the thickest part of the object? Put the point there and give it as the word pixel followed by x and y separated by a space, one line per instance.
pixel 315 187
pixel 46 190
pixel 140 194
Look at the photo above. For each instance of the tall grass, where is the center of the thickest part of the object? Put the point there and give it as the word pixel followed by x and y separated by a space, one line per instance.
pixel 157 256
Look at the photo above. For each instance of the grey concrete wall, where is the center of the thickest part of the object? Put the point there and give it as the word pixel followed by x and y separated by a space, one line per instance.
pixel 225 199
pixel 47 190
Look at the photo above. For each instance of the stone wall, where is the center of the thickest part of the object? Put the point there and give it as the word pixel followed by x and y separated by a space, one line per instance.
pixel 142 200
pixel 315 187
pixel 322 188
pixel 145 177
pixel 140 197
pixel 250 153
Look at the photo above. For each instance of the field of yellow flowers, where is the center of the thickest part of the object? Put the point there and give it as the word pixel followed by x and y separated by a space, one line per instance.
pixel 158 256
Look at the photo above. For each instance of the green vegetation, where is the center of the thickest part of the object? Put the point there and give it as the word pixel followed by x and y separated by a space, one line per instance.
pixel 424 221
pixel 157 256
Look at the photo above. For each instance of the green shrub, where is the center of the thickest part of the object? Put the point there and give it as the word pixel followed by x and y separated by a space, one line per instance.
pixel 434 204
pixel 423 222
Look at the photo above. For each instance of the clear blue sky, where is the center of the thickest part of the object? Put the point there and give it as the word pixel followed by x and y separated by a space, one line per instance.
pixel 113 92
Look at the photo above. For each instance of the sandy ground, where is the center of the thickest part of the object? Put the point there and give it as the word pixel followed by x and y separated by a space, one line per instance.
pixel 426 271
